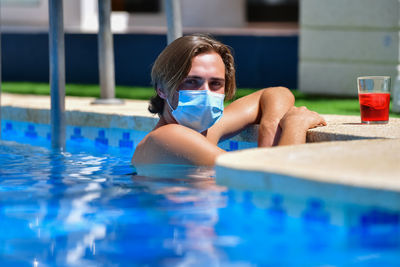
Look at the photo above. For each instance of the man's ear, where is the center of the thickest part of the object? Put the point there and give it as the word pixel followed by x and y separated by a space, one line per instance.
pixel 161 93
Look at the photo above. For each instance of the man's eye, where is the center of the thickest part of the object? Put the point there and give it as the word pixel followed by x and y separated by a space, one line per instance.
pixel 191 81
pixel 216 84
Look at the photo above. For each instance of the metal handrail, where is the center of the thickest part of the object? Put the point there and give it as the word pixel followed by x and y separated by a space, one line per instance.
pixel 174 20
pixel 57 73
pixel 106 56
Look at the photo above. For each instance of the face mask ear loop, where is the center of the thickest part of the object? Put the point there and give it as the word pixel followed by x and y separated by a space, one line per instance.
pixel 166 99
pixel 162 95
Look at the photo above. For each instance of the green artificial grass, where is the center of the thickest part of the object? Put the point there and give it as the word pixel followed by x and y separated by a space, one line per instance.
pixel 320 104
pixel 85 90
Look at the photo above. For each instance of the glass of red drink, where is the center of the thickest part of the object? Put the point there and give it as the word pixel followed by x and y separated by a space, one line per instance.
pixel 374 96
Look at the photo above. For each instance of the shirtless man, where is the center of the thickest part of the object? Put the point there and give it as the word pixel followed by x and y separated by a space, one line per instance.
pixel 192 76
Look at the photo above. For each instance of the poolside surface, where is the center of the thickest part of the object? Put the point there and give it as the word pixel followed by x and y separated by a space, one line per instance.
pixel 365 163
pixel 83 104
pixel 80 111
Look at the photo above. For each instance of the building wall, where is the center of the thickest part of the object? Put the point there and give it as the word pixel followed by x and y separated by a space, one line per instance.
pixel 343 39
pixel 81 15
pixel 261 60
pixel 212 13
pixel 34 15
pixel 30 14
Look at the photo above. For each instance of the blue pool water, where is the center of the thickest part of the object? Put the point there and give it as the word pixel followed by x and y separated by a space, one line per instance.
pixel 86 207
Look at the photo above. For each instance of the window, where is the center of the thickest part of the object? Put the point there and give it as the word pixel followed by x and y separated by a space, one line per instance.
pixel 136 6
pixel 272 10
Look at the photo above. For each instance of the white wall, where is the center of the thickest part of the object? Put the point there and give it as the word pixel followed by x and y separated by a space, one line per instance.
pixel 213 13
pixel 36 16
pixel 32 15
pixel 343 39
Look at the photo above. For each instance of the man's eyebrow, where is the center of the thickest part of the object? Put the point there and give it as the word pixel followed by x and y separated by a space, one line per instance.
pixel 218 79
pixel 194 77
pixel 198 77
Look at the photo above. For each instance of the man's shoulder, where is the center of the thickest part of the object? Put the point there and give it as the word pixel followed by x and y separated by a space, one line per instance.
pixel 165 138
pixel 170 131
pixel 174 143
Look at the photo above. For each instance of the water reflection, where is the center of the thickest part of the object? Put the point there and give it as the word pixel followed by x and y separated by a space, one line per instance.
pixel 54 203
pixel 80 208
pixel 190 207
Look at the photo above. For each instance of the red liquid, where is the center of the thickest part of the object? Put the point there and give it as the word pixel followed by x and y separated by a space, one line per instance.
pixel 374 107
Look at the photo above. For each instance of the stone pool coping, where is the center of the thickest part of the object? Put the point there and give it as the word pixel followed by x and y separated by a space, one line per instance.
pixel 333 162
pixel 360 163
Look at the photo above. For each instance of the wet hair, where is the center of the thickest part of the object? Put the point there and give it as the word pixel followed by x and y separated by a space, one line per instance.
pixel 175 61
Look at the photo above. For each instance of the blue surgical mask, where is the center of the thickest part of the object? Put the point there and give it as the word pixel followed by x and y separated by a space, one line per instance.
pixel 198 109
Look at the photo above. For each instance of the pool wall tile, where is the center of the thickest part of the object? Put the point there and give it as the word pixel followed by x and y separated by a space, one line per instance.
pixel 142 124
pixel 302 196
pixel 224 145
pixel 101 138
pixel 30 131
pixel 115 137
pixel 77 134
pixel 125 141
pixel 233 145
pixel 9 126
pixel 378 217
pixel 315 211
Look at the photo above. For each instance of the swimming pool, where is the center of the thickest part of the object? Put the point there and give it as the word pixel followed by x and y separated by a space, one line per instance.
pixel 85 206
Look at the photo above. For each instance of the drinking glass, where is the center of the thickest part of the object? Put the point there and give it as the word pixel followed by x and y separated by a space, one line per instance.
pixel 374 97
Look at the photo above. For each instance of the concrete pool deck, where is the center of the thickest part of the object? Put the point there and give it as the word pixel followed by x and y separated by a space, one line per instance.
pixel 133 114
pixel 371 162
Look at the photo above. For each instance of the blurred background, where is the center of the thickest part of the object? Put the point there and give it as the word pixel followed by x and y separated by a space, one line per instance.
pixel 316 46
pixel 262 33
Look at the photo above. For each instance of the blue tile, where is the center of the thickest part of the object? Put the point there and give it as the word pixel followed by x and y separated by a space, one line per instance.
pixel 231 197
pixel 8 131
pixel 376 217
pixel 101 140
pixel 276 206
pixel 377 228
pixel 125 141
pixel 248 205
pixel 9 126
pixel 102 134
pixel 276 200
pixel 125 135
pixel 31 132
pixel 77 136
pixel 277 215
pixel 315 212
pixel 233 145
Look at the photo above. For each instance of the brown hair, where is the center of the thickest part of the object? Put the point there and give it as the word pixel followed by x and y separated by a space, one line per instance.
pixel 175 62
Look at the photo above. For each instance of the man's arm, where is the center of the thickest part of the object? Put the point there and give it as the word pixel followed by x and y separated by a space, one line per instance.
pixel 266 107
